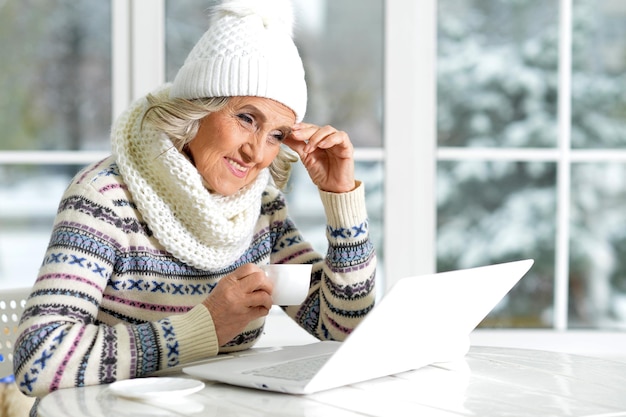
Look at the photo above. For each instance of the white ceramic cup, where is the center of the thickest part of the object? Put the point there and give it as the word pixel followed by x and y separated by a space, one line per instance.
pixel 291 282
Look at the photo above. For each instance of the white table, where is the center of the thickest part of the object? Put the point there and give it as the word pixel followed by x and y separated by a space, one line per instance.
pixel 490 381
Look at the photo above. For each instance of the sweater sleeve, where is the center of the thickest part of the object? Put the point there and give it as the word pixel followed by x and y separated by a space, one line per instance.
pixel 64 340
pixel 342 288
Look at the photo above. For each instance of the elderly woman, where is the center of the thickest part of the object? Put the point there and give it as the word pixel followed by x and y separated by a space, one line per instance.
pixel 154 259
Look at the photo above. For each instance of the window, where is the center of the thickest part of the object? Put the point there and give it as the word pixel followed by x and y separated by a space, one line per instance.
pixel 531 132
pixel 499 133
pixel 56 113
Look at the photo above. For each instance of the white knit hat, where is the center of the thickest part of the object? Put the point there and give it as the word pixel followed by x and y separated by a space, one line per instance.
pixel 248 50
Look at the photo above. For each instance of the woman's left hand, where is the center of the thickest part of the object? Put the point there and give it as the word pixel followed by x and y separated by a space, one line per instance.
pixel 327 154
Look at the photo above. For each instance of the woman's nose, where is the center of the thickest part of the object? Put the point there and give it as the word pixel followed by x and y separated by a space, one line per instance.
pixel 253 150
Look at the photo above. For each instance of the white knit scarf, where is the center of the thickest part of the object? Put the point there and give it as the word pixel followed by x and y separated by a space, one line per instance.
pixel 205 230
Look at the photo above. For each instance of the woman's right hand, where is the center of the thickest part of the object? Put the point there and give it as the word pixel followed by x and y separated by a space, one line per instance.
pixel 240 297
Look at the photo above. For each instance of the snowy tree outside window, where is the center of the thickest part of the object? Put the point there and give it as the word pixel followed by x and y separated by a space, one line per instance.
pixel 498 88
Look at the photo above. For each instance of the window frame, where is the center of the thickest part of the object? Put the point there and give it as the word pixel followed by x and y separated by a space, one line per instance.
pixel 410 138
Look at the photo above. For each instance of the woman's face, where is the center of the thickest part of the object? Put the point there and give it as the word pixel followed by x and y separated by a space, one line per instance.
pixel 234 144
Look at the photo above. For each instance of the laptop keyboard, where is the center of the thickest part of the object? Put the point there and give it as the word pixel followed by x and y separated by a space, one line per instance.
pixel 296 370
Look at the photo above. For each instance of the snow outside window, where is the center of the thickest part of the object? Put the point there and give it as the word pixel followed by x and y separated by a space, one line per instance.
pixel 531 117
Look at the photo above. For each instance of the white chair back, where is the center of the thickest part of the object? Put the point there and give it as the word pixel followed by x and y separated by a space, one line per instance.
pixel 12 303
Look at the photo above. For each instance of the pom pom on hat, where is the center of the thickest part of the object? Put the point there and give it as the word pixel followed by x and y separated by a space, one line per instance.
pixel 248 50
pixel 275 14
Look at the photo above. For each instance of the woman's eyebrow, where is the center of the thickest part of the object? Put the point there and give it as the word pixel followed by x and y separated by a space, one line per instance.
pixel 286 130
pixel 254 109
pixel 262 118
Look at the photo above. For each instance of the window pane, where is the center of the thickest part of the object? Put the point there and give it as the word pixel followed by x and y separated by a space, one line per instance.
pixel 30 196
pixel 497 73
pixel 306 207
pixel 185 22
pixel 342 53
pixel 490 212
pixel 599 74
pixel 55 74
pixel 343 58
pixel 597 292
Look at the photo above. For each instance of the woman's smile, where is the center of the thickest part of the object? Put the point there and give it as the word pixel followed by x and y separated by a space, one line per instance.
pixel 237 169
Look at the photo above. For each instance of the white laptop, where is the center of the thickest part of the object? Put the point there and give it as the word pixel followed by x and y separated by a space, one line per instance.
pixel 421 320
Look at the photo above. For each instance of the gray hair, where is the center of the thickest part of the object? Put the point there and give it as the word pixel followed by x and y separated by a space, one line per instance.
pixel 180 120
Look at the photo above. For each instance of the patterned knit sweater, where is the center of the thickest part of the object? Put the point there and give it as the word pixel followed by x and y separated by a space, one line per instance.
pixel 111 303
